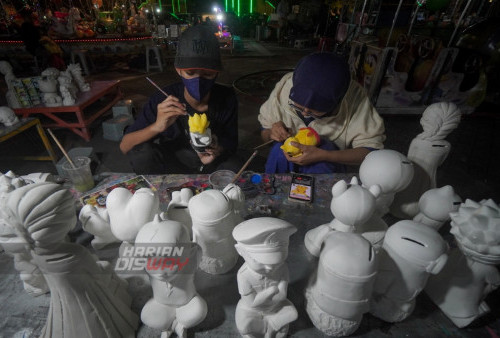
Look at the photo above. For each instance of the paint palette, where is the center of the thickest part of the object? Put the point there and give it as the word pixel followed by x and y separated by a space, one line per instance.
pixel 254 184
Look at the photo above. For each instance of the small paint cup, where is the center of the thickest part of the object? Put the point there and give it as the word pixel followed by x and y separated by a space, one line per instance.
pixel 80 175
pixel 221 178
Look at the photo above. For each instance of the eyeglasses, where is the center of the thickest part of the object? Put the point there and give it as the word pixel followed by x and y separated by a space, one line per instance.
pixel 303 111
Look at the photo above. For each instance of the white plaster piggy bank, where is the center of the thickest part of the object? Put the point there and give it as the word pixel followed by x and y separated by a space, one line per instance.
pixel 129 212
pixel 339 292
pixel 427 151
pixel 388 169
pixel 470 274
pixel 212 213
pixel 411 252
pixel 436 205
pixel 352 206
pixel 178 208
pixel 96 222
pixel 175 306
pixel 263 310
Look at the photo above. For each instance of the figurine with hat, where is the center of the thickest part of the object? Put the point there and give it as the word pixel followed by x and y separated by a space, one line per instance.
pixel 264 309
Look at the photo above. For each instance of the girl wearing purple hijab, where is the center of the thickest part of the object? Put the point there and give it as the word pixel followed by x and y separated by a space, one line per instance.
pixel 320 94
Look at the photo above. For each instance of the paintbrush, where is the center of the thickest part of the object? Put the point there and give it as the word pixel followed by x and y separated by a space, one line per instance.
pixel 244 166
pixel 157 87
pixel 263 144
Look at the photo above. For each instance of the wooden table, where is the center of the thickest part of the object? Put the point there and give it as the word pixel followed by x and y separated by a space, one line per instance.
pixel 86 109
pixel 8 132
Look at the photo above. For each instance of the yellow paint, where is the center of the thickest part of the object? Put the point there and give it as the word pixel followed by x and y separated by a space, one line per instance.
pixel 198 123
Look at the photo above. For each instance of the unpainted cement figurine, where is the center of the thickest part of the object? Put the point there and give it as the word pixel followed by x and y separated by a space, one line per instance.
pixel 7 116
pixel 212 212
pixel 411 252
pixel 65 87
pixel 95 221
pixel 471 272
pixel 178 208
pixel 435 206
pixel 128 212
pixel 339 291
pixel 175 306
pixel 33 281
pixel 388 169
pixel 7 70
pixel 87 298
pixel 263 310
pixel 352 206
pixel 427 151
pixel 76 72
pixel 49 89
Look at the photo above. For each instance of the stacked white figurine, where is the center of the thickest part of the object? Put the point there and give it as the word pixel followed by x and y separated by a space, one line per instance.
pixel 264 310
pixel 435 206
pixel 8 116
pixel 352 206
pixel 87 298
pixel 428 151
pixel 470 274
pixel 411 252
pixel 33 281
pixel 7 70
pixel 339 292
pixel 214 219
pixel 175 306
pixel 49 89
pixel 67 89
pixel 76 72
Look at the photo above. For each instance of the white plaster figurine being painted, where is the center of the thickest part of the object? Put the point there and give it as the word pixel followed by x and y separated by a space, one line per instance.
pixel 87 298
pixel 428 150
pixel 263 310
pixel 214 219
pixel 175 306
pixel 8 116
pixel 339 291
pixel 352 206
pixel 435 206
pixel 471 272
pixel 33 281
pixel 201 136
pixel 411 252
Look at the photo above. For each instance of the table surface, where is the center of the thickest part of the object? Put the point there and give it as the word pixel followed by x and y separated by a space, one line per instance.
pixel 83 99
pixel 24 316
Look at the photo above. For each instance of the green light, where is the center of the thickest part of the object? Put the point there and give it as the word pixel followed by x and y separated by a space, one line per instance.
pixel 159 4
pixel 238 7
pixel 251 6
pixel 226 5
pixel 233 5
pixel 179 5
pixel 270 4
pixel 173 7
